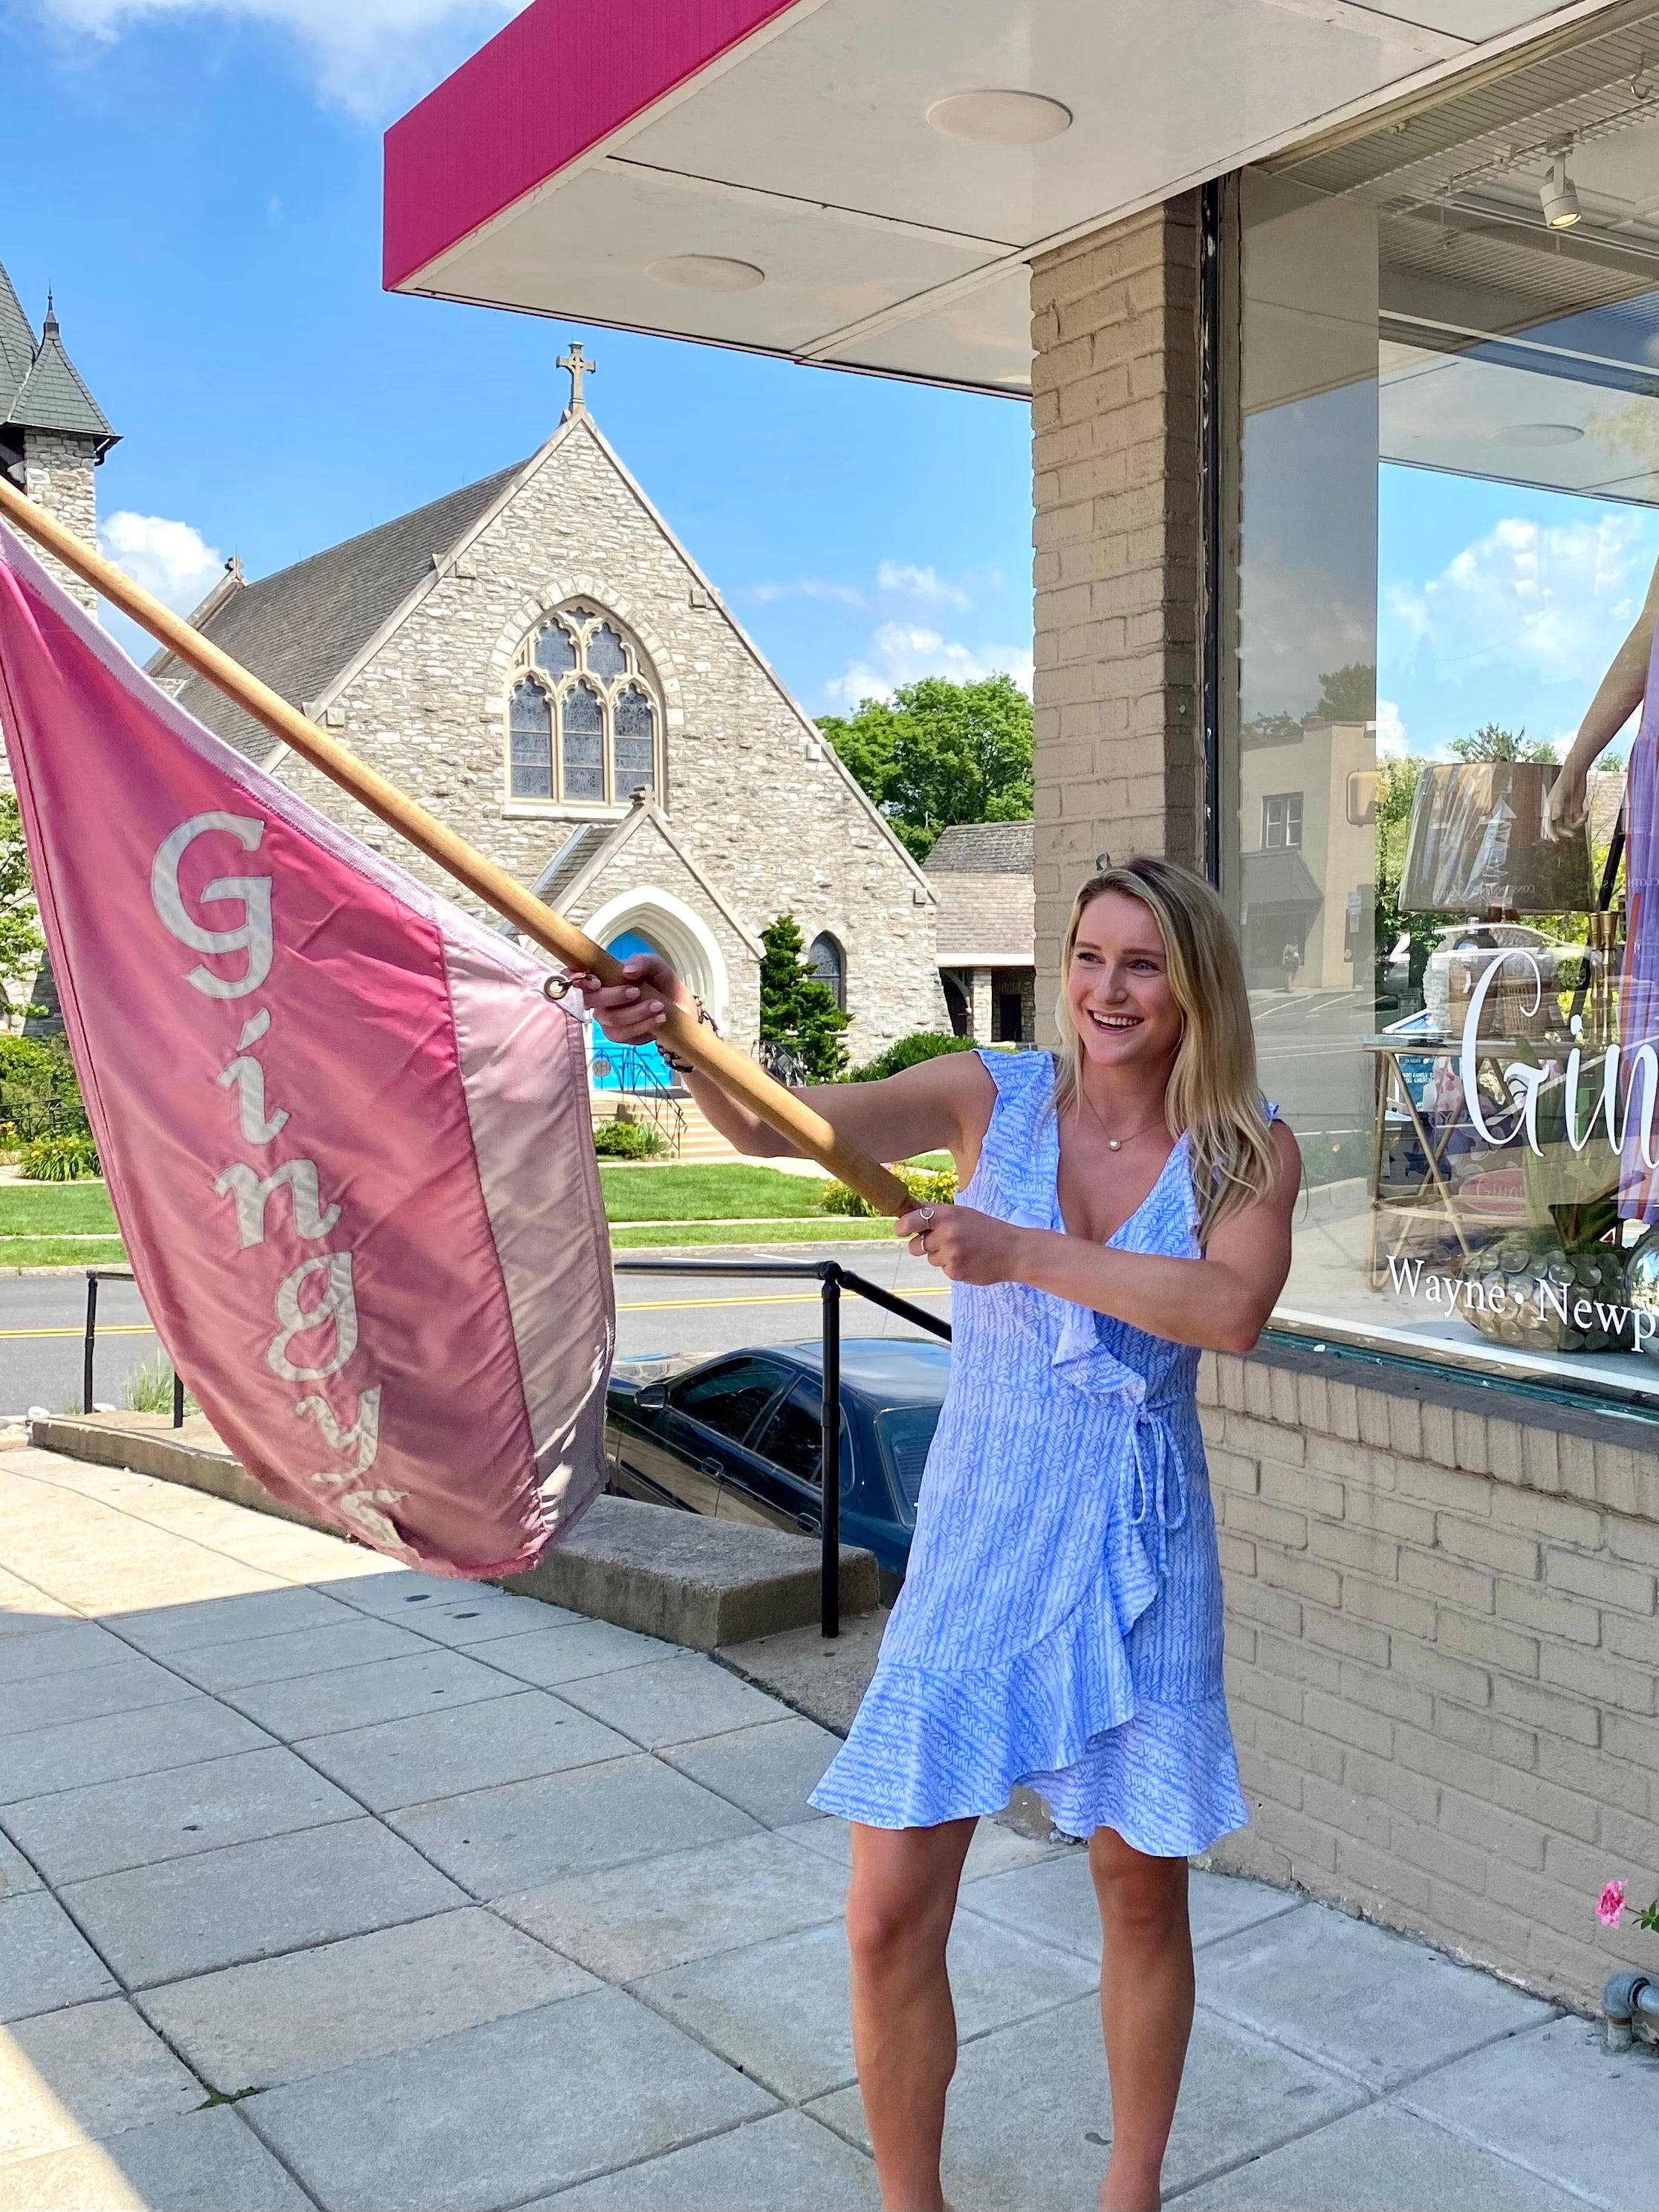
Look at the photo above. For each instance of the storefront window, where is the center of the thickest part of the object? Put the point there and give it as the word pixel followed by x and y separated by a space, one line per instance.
pixel 1443 496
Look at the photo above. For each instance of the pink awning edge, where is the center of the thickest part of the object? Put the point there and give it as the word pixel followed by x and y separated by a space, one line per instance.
pixel 549 85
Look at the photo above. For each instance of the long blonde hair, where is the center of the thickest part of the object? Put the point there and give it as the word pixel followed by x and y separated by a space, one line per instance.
pixel 1212 1095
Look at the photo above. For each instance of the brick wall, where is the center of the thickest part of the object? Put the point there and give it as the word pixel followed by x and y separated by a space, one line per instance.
pixel 1115 467
pixel 1443 1657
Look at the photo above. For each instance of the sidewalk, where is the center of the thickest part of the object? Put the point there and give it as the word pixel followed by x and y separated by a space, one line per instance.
pixel 329 1884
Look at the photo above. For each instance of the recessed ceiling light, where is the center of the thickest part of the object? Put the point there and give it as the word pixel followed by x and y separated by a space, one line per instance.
pixel 999 119
pixel 1536 433
pixel 705 272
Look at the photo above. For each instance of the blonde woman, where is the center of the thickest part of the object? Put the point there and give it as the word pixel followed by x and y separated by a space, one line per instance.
pixel 1125 1203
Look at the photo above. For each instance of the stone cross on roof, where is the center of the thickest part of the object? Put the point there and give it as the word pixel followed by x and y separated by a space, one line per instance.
pixel 578 368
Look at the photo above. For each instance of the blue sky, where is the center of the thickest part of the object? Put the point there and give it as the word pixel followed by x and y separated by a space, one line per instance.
pixel 200 185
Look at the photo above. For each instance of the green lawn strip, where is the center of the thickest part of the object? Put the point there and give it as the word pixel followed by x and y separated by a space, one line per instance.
pixel 62 1252
pixel 824 1231
pixel 716 1190
pixel 60 1209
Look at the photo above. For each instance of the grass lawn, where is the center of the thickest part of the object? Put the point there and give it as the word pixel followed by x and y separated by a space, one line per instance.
pixel 60 1209
pixel 825 1230
pixel 716 1191
pixel 62 1252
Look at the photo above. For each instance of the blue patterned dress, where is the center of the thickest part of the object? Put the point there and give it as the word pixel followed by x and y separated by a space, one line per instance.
pixel 1060 1622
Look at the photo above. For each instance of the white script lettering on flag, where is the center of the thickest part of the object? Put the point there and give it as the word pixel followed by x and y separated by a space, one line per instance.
pixel 346 1139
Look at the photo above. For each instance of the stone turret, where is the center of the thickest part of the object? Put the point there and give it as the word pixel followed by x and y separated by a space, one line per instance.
pixel 52 432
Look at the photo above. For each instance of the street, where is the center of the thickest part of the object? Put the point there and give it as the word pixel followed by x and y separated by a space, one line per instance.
pixel 42 1317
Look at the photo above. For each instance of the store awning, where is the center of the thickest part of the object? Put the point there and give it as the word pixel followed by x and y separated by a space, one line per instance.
pixel 862 183
pixel 1279 880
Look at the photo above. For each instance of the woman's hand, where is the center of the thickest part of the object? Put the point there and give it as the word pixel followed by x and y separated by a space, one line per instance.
pixel 966 1246
pixel 1569 794
pixel 633 1013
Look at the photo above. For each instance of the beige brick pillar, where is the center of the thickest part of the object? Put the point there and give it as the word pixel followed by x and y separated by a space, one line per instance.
pixel 981 1005
pixel 1114 461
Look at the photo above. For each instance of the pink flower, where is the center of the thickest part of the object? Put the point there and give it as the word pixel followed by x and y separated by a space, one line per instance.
pixel 1611 1903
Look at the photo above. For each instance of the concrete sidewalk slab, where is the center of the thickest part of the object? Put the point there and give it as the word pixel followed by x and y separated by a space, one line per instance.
pixel 644 1918
pixel 549 1657
pixel 170 1628
pixel 1054 1900
pixel 673 1700
pixel 1345 1993
pixel 788 2163
pixel 45 1963
pixel 1381 2160
pixel 512 1738
pixel 184 1917
pixel 347 1643
pixel 526 1834
pixel 79 2075
pixel 77 1753
pixel 1030 2118
pixel 283 2020
pixel 125 1685
pixel 63 1648
pixel 458 1614
pixel 768 1770
pixel 205 2162
pixel 1558 2103
pixel 780 2010
pixel 307 1705
pixel 498 2114
pixel 77 1833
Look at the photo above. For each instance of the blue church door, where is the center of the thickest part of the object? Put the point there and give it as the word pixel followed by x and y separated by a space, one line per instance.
pixel 629 1066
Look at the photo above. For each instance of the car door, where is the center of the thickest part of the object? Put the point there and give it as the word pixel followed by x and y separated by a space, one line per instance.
pixel 775 1481
pixel 710 1411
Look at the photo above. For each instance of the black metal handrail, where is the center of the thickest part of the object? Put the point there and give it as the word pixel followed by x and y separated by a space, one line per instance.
pixel 95 1276
pixel 833 1279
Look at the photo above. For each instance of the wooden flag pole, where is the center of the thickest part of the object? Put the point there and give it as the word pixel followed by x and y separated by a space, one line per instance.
pixel 735 1074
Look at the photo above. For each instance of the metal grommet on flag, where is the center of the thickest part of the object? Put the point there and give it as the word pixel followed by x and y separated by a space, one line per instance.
pixel 557 987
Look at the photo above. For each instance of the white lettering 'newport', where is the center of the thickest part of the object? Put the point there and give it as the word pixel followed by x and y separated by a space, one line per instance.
pixel 251 936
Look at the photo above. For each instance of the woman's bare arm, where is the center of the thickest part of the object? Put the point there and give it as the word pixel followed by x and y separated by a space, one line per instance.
pixel 940 1105
pixel 1220 1303
pixel 1616 700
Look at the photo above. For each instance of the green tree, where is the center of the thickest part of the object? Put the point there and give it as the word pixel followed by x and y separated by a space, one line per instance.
pixel 1490 743
pixel 1396 788
pixel 1348 695
pixel 797 1011
pixel 21 941
pixel 941 752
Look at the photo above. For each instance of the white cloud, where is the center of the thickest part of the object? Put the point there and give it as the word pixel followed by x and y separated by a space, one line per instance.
pixel 901 652
pixel 822 588
pixel 1390 731
pixel 170 559
pixel 1551 600
pixel 905 580
pixel 367 55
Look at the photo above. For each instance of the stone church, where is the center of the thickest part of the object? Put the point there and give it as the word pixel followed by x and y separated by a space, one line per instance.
pixel 539 661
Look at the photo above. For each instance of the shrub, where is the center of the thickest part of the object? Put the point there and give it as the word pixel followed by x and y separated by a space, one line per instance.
pixel 40 1095
pixel 60 1159
pixel 626 1141
pixel 149 1388
pixel 926 1186
pixel 925 1044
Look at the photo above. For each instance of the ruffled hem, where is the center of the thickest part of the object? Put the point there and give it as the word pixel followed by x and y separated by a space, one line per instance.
pixel 932 1745
pixel 1166 1781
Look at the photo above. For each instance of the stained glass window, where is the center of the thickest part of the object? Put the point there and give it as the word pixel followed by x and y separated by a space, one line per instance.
pixel 634 742
pixel 555 649
pixel 828 963
pixel 606 655
pixel 531 726
pixel 581 722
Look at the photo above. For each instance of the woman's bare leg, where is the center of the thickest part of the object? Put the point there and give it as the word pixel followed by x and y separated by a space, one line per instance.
pixel 899 1910
pixel 1146 2009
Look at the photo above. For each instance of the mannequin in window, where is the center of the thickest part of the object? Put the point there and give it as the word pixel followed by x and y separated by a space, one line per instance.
pixel 1631 681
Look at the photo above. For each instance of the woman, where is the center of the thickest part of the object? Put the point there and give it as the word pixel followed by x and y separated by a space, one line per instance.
pixel 1125 1203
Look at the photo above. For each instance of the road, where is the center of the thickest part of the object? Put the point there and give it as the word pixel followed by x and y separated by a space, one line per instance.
pixel 42 1318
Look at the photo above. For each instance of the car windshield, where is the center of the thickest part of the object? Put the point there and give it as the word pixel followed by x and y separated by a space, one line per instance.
pixel 904 1434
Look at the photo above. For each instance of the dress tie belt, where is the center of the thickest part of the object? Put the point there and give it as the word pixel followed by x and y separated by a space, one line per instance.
pixel 1159 1494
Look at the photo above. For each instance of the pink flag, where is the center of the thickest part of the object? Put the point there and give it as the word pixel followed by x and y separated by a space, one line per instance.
pixel 347 1140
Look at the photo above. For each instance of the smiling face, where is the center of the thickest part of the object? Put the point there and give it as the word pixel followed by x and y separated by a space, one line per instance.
pixel 1117 986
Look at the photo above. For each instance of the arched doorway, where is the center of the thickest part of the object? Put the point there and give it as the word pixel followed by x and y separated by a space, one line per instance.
pixel 646 920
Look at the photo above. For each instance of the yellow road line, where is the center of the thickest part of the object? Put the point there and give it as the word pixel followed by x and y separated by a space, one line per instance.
pixel 105 1328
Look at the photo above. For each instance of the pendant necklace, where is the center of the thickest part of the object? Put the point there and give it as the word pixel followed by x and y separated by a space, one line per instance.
pixel 1117 1144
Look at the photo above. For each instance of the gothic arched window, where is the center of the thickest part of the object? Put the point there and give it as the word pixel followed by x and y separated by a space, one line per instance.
pixel 584 715
pixel 828 963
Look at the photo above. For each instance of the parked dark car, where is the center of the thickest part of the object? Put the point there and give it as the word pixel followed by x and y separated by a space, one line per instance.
pixel 741 1437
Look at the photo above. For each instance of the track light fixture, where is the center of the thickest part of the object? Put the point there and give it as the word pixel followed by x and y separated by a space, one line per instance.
pixel 1558 196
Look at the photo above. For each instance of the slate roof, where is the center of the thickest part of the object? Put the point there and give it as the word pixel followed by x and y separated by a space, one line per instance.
pixel 981 874
pixel 53 397
pixel 994 848
pixel 16 343
pixel 300 629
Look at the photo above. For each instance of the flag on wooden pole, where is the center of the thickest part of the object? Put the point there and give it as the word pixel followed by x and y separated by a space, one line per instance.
pixel 347 1141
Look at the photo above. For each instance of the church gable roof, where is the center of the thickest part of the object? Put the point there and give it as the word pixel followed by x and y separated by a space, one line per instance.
pixel 983 848
pixel 300 629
